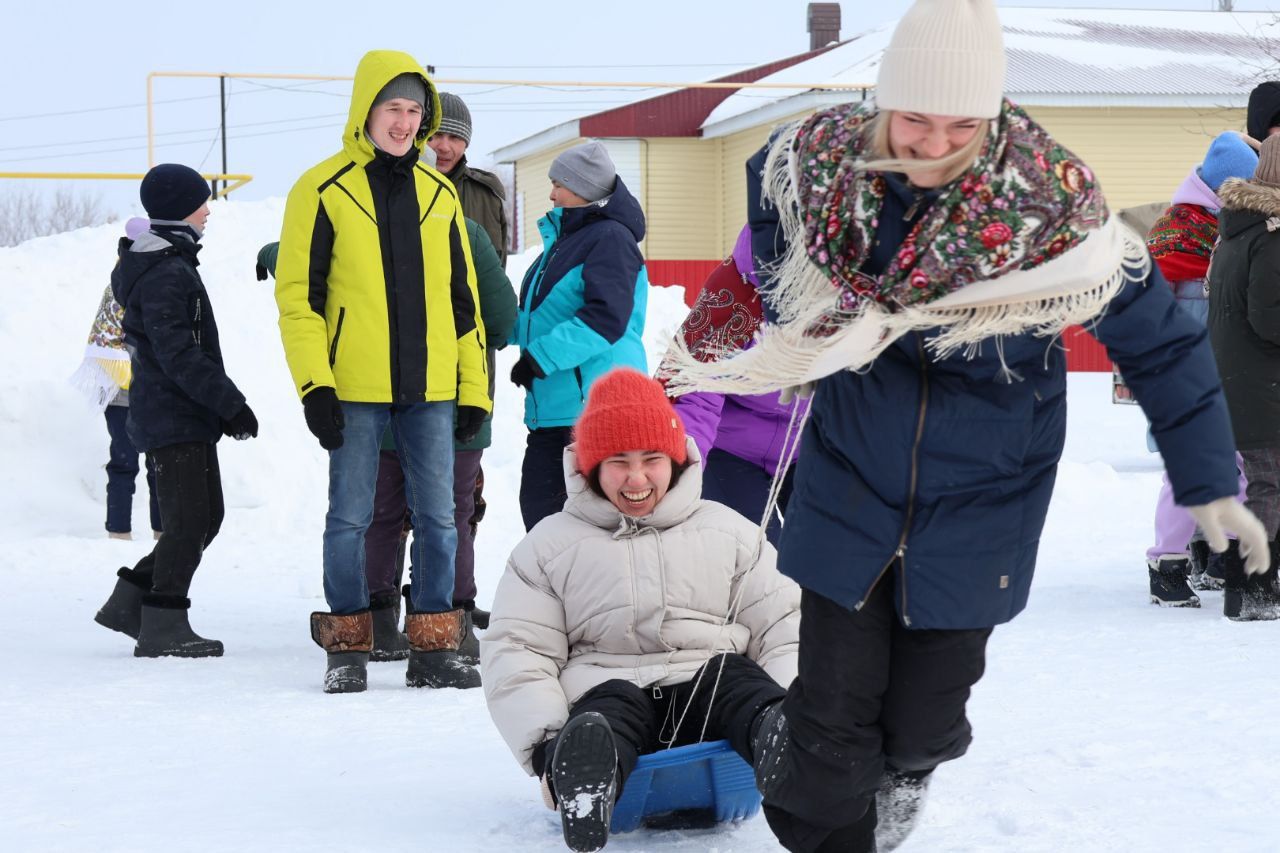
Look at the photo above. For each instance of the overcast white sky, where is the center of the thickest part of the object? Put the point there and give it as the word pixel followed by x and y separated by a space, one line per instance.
pixel 75 72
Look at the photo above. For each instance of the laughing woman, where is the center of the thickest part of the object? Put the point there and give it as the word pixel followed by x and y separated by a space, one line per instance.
pixel 921 259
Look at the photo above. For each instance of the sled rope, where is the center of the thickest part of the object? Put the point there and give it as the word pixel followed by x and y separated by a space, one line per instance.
pixel 790 445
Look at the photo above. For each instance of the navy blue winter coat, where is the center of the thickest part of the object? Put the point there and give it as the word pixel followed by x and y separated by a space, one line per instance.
pixel 179 392
pixel 582 304
pixel 936 474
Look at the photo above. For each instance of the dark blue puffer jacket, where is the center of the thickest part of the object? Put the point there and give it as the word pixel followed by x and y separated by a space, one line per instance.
pixel 582 304
pixel 935 474
pixel 180 392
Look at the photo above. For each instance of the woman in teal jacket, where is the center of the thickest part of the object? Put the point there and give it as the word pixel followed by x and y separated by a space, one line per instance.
pixel 582 308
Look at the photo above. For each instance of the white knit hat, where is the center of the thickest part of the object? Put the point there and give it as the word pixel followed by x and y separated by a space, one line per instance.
pixel 946 57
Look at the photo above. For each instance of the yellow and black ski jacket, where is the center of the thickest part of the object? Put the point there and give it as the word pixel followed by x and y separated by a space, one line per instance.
pixel 374 280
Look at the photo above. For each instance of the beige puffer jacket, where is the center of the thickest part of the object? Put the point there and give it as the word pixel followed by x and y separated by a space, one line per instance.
pixel 592 595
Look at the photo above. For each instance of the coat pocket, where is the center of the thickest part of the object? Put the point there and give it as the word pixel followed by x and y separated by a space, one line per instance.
pixel 337 335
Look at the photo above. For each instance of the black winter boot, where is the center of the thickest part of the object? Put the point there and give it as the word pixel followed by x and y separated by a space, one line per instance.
pixel 1249 598
pixel 123 610
pixel 469 645
pixel 1168 578
pixel 584 776
pixel 166 631
pixel 389 642
pixel 1206 567
pixel 433 651
pixel 479 618
pixel 347 640
pixel 769 736
pixel 898 804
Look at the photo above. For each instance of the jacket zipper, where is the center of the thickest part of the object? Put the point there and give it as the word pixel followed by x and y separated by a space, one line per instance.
pixel 337 333
pixel 900 553
pixel 195 332
pixel 582 394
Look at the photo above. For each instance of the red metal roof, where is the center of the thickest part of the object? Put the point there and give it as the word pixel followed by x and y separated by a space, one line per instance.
pixel 679 113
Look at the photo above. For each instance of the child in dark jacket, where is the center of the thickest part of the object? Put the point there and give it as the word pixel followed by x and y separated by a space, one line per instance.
pixel 181 403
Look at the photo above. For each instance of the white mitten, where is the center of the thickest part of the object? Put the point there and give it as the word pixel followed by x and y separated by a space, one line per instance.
pixel 1217 517
pixel 791 392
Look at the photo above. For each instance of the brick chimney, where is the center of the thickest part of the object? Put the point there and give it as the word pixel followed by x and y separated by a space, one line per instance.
pixel 824 24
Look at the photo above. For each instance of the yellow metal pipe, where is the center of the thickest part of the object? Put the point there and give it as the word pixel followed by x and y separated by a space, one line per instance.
pixel 235 181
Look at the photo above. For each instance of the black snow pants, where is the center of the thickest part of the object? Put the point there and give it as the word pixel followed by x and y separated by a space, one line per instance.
pixel 189 485
pixel 647 719
pixel 870 694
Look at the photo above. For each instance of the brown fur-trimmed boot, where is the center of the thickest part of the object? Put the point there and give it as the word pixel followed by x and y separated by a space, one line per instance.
pixel 347 640
pixel 433 651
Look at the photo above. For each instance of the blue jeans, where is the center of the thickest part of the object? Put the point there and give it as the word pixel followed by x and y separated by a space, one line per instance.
pixel 424 436
pixel 122 470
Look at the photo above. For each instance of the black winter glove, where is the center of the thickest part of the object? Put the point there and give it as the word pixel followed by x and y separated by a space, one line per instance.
pixel 242 425
pixel 324 416
pixel 468 422
pixel 525 371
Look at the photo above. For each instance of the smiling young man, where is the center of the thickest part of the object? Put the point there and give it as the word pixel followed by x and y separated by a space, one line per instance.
pixel 380 320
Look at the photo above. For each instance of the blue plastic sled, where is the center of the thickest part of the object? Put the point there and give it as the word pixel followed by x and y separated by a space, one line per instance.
pixel 688 786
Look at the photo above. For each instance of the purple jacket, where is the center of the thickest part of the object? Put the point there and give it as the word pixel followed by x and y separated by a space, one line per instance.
pixel 753 428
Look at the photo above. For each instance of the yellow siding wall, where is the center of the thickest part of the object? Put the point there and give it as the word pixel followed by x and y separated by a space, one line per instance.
pixel 534 187
pixel 737 148
pixel 1139 154
pixel 682 199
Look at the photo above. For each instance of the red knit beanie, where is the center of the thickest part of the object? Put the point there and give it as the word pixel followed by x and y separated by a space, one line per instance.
pixel 627 410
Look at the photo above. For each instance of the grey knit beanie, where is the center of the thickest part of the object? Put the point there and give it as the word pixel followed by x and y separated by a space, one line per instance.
pixel 585 170
pixel 455 118
pixel 407 85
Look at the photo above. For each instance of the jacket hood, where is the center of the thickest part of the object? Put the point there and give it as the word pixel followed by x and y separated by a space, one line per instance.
pixel 376 69
pixel 620 206
pixel 676 505
pixel 1194 190
pixel 1244 203
pixel 138 256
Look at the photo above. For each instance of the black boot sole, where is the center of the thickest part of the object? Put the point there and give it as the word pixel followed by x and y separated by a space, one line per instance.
pixel 202 650
pixel 584 774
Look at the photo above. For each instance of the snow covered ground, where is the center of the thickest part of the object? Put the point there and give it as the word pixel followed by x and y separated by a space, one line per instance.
pixel 1103 723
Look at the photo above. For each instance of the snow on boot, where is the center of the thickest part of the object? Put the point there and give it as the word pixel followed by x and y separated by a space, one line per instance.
pixel 433 651
pixel 1249 598
pixel 389 642
pixel 469 645
pixel 584 776
pixel 1168 577
pixel 166 632
pixel 898 804
pixel 123 610
pixel 769 737
pixel 347 640
pixel 1206 567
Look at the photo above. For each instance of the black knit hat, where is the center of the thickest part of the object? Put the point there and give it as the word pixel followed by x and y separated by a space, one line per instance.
pixel 1264 109
pixel 172 191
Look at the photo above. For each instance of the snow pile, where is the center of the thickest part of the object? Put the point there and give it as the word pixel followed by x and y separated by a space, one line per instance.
pixel 1099 720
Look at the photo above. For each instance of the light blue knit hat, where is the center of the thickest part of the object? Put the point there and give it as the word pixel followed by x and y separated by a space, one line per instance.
pixel 1229 156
